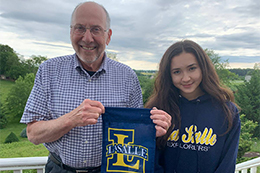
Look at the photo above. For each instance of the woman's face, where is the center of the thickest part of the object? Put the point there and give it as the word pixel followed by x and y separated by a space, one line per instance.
pixel 186 75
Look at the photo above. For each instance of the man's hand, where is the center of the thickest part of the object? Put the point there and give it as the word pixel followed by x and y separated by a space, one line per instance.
pixel 162 121
pixel 86 113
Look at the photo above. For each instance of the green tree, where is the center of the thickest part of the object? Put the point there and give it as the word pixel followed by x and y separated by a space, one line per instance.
pixel 5 53
pixel 13 66
pixel 3 119
pixel 148 90
pixel 221 68
pixel 34 62
pixel 241 72
pixel 248 98
pixel 9 62
pixel 245 141
pixel 17 68
pixel 147 85
pixel 17 97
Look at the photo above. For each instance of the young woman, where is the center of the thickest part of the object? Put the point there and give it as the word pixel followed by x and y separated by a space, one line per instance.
pixel 205 129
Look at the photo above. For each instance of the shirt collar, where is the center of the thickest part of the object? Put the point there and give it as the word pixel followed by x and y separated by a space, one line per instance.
pixel 77 63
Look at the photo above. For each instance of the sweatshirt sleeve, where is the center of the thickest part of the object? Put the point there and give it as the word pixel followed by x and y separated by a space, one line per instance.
pixel 229 155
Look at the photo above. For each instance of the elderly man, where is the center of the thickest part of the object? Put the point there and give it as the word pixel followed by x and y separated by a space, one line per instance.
pixel 70 92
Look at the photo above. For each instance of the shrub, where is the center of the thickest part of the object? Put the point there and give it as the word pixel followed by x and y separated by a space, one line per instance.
pixel 246 139
pixel 3 119
pixel 23 133
pixel 248 98
pixel 17 97
pixel 11 138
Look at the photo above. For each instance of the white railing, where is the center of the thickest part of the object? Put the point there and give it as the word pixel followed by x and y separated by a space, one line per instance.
pixel 23 163
pixel 248 165
pixel 38 163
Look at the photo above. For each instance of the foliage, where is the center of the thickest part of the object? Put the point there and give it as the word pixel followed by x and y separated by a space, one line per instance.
pixel 147 84
pixel 241 72
pixel 13 66
pixel 246 140
pixel 3 119
pixel 148 90
pixel 256 146
pixel 33 63
pixel 23 134
pixel 17 97
pixel 221 67
pixel 11 138
pixel 5 89
pixel 248 98
pixel 9 62
pixel 6 53
pixel 143 79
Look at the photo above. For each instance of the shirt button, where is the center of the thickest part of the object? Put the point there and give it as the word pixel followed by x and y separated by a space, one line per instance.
pixel 84 161
pixel 89 80
pixel 86 142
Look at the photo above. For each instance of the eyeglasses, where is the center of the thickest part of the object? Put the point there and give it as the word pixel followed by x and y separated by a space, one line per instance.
pixel 94 30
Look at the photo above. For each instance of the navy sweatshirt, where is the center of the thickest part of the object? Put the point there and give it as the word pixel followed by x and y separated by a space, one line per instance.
pixel 213 150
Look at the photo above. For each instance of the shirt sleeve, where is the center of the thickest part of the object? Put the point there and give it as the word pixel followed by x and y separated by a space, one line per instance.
pixel 230 149
pixel 36 106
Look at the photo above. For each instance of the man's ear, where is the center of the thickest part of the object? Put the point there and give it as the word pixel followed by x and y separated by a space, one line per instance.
pixel 109 32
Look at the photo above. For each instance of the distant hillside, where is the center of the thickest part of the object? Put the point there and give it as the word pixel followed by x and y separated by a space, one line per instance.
pixel 241 72
pixel 238 71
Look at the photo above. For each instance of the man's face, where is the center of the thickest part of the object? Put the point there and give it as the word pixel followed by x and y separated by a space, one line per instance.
pixel 89 47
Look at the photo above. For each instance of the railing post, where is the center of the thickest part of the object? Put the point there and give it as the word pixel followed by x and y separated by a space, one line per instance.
pixel 244 171
pixel 40 170
pixel 253 170
pixel 18 171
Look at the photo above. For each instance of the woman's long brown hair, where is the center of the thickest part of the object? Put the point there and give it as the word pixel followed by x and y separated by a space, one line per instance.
pixel 166 96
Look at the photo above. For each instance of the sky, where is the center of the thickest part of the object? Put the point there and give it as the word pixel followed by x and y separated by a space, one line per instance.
pixel 142 29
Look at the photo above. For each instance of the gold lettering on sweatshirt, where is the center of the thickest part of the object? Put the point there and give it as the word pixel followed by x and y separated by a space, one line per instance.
pixel 206 137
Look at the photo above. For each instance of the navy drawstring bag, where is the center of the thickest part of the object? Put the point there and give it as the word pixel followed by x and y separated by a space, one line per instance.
pixel 128 140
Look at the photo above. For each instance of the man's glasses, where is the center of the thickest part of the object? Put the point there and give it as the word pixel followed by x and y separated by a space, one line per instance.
pixel 94 30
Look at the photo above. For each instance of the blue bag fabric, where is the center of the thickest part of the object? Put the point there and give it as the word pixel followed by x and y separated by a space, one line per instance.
pixel 128 140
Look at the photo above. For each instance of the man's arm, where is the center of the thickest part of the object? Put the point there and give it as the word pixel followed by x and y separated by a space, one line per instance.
pixel 48 131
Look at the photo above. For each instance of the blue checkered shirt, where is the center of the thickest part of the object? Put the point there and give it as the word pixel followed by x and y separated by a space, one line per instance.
pixel 61 84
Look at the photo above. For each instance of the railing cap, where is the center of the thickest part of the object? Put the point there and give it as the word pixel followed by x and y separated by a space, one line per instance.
pixel 23 161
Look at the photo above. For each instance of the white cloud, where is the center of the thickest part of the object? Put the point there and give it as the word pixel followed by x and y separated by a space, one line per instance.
pixel 142 29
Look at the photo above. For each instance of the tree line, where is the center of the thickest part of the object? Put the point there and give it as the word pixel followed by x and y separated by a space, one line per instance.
pixel 247 93
pixel 12 65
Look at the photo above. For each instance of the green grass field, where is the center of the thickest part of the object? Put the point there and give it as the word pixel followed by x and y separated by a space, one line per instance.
pixel 4 89
pixel 23 148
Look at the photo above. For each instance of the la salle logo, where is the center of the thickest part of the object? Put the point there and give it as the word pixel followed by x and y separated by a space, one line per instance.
pixel 122 154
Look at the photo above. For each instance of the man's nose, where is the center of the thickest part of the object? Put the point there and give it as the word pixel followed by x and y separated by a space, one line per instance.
pixel 87 37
